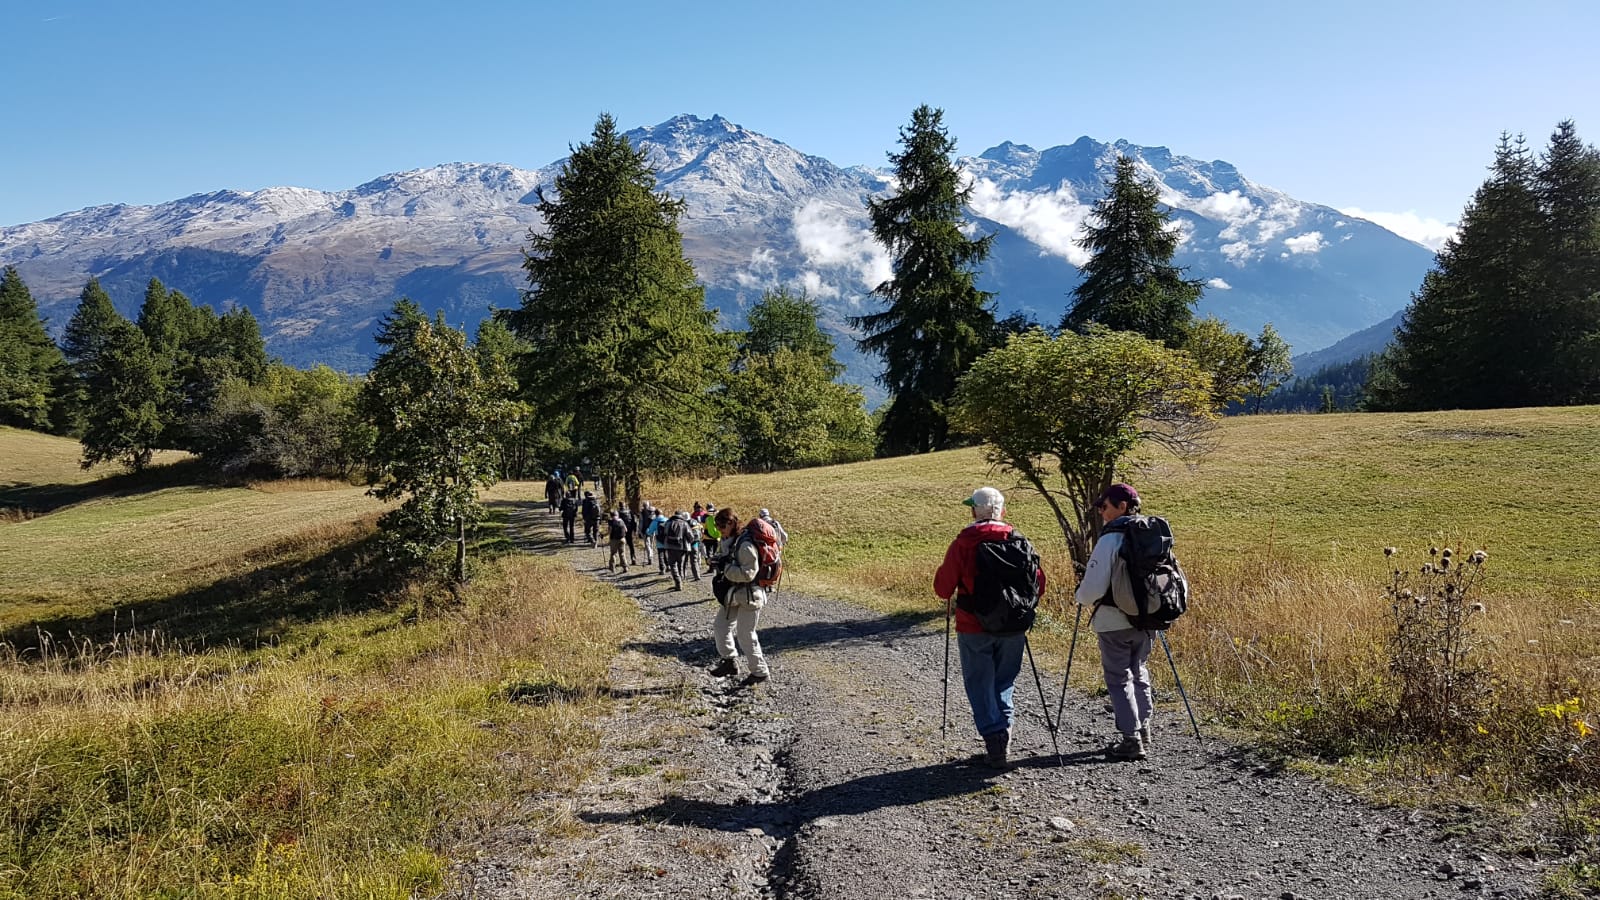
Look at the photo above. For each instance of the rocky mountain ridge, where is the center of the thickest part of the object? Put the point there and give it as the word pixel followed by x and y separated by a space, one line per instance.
pixel 318 268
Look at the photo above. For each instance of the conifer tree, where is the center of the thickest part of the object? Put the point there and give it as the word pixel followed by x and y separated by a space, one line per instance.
pixel 937 322
pixel 123 387
pixel 29 360
pixel 82 344
pixel 1130 283
pixel 620 338
pixel 1568 186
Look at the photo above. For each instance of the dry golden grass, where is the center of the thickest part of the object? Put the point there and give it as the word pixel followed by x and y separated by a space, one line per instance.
pixel 1281 531
pixel 226 704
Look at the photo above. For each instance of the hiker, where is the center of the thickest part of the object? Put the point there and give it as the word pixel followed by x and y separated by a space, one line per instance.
pixel 713 536
pixel 647 517
pixel 783 536
pixel 740 596
pixel 656 531
pixel 569 515
pixel 677 542
pixel 1123 648
pixel 626 515
pixel 591 513
pixel 553 491
pixel 616 532
pixel 990 661
pixel 574 483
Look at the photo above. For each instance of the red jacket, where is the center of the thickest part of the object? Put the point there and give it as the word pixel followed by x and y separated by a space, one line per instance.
pixel 954 578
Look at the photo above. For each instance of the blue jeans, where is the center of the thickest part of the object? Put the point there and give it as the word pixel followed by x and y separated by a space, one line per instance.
pixel 989 667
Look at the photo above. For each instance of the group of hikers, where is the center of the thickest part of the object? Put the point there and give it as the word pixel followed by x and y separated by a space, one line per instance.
pixel 743 560
pixel 991 582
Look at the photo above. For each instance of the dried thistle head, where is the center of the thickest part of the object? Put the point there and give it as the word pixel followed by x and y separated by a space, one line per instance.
pixel 1388 551
pixel 1446 553
pixel 1477 557
pixel 1433 551
pixel 1427 569
pixel 1449 589
pixel 1405 594
pixel 1477 607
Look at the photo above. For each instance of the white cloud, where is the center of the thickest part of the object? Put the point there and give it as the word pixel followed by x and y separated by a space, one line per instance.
pixel 1237 252
pixel 1230 207
pixel 1310 242
pixel 762 270
pixel 1053 220
pixel 1219 284
pixel 815 287
pixel 829 240
pixel 1429 232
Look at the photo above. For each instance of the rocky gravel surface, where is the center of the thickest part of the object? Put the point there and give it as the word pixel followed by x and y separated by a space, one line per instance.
pixel 831 781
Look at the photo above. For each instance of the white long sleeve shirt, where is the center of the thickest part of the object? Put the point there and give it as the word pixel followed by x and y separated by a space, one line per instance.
pixel 1096 584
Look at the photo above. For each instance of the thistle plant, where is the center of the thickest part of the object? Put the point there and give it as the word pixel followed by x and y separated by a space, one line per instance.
pixel 1433 643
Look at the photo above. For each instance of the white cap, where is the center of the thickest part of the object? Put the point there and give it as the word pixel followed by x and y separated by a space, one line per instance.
pixel 987 501
pixel 764 512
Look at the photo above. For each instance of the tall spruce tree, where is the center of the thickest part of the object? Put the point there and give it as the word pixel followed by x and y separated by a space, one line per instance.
pixel 29 360
pixel 83 342
pixel 1130 283
pixel 937 322
pixel 620 338
pixel 1568 187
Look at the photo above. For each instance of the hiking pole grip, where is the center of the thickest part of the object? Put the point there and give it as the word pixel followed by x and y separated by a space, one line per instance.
pixel 1071 649
pixel 1181 693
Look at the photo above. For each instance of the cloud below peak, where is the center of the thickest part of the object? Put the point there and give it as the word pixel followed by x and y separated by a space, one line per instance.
pixel 1424 230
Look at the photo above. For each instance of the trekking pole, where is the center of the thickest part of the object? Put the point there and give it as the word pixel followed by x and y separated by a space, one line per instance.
pixel 944 712
pixel 1071 649
pixel 1044 702
pixel 1168 647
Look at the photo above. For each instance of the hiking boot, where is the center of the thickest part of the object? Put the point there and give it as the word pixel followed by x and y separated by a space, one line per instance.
pixel 995 747
pixel 755 678
pixel 724 668
pixel 1130 747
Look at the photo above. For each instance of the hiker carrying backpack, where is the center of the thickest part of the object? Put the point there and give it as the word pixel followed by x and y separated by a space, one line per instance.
pixel 746 563
pixel 992 573
pixel 1136 589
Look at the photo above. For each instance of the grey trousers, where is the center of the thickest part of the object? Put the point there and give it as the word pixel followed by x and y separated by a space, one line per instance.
pixel 1122 658
pixel 738 619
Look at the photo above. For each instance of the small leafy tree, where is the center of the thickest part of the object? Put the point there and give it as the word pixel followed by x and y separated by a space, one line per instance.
pixel 1064 413
pixel 1226 354
pixel 435 416
pixel 1270 366
pixel 784 406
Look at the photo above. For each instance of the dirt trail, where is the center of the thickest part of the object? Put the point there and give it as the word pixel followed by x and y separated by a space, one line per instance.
pixel 830 782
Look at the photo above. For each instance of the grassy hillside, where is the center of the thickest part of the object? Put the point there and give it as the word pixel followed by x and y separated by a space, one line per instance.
pixel 1281 530
pixel 205 691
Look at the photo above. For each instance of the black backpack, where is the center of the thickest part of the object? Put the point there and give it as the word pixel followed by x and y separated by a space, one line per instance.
pixel 1005 585
pixel 616 529
pixel 1150 589
pixel 591 509
pixel 677 534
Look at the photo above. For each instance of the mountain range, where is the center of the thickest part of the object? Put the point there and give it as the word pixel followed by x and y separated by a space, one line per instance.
pixel 319 268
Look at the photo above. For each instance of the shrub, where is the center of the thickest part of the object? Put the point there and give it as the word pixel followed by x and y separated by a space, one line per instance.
pixel 1433 645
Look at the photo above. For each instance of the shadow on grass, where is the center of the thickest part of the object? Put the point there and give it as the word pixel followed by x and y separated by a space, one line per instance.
pixel 39 499
pixel 250 609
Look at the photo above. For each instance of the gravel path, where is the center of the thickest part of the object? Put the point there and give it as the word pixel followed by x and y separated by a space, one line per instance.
pixel 830 782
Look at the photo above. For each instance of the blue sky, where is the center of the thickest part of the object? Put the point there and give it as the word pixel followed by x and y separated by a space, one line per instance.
pixel 1390 107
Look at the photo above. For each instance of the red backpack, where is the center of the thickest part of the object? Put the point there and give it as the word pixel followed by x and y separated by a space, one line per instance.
pixel 761 534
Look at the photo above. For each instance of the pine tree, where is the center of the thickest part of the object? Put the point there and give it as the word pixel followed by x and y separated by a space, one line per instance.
pixel 1568 187
pixel 937 323
pixel 621 340
pixel 783 319
pixel 1477 332
pixel 1130 283
pixel 29 360
pixel 83 342
pixel 124 386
